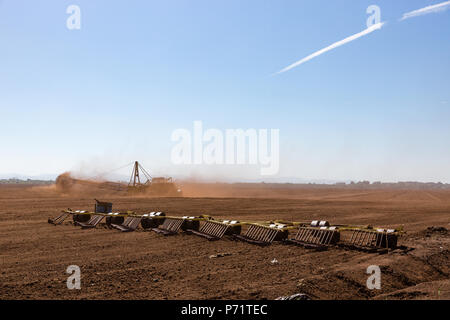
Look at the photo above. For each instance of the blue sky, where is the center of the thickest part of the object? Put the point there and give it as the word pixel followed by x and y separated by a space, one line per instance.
pixel 93 99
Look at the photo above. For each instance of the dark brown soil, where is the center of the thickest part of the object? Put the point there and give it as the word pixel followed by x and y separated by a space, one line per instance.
pixel 143 265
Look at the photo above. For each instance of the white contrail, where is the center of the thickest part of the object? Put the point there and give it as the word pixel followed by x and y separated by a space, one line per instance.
pixel 333 46
pixel 430 9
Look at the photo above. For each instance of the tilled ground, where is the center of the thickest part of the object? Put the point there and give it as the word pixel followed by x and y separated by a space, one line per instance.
pixel 143 265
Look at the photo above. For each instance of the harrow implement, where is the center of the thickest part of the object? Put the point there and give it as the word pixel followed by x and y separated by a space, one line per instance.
pixel 215 230
pixel 92 223
pixel 319 235
pixel 130 224
pixel 315 235
pixel 170 226
pixel 59 219
pixel 264 235
pixel 372 240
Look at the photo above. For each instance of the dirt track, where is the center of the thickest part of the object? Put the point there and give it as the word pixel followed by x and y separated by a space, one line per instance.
pixel 142 265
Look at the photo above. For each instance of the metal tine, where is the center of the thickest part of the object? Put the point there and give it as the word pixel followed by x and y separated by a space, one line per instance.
pixel 302 234
pixel 332 233
pixel 258 232
pixel 250 231
pixel 265 234
pixel 91 220
pixel 247 232
pixel 320 235
pixel 134 223
pixel 254 232
pixel 374 239
pixel 353 236
pixel 357 237
pixel 323 234
pixel 370 239
pixel 215 229
pixel 206 227
pixel 180 223
pixel 268 236
pixel 313 233
pixel 220 230
pixel 362 238
pixel 310 235
pixel 317 236
pixel 211 229
pixel 274 235
pixel 224 230
pixel 367 241
pixel 329 236
pixel 168 224
pixel 297 236
pixel 306 234
pixel 174 225
pixel 380 238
